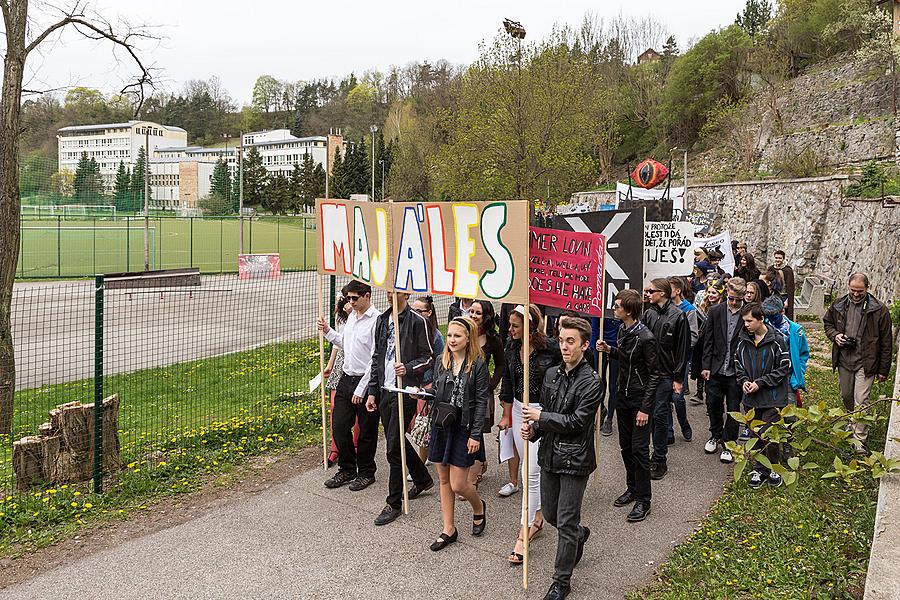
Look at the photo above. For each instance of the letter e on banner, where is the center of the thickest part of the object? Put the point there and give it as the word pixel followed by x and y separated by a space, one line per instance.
pixel 441 276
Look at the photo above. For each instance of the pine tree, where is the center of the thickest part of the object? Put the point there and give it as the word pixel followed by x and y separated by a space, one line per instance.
pixel 88 181
pixel 358 173
pixel 308 191
pixel 318 183
pixel 297 185
pixel 756 15
pixel 670 49
pixel 255 178
pixel 220 180
pixel 384 156
pixel 278 194
pixel 235 192
pixel 122 190
pixel 137 182
pixel 338 176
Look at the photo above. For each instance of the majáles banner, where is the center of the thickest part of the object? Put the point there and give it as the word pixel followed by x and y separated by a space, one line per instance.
pixel 467 249
pixel 566 270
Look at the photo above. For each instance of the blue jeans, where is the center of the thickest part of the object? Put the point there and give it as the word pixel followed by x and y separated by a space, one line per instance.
pixel 662 417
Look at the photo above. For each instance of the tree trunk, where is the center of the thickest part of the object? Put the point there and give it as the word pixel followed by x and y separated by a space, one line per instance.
pixel 10 112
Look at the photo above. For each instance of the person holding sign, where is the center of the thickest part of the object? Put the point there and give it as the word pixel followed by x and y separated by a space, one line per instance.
pixel 544 355
pixel 460 401
pixel 416 357
pixel 564 423
pixel 636 352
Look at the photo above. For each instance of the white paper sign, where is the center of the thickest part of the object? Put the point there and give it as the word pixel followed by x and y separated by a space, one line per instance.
pixel 721 243
pixel 315 382
pixel 668 249
pixel 507 445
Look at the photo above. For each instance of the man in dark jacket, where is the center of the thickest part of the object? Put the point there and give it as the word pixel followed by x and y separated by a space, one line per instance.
pixel 673 337
pixel 762 364
pixel 416 356
pixel 565 424
pixel 859 327
pixel 636 354
pixel 723 395
pixel 790 284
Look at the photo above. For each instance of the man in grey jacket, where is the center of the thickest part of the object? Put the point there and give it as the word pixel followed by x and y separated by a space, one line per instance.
pixel 762 364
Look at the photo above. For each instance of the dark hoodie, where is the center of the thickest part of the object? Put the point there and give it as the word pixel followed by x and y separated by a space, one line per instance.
pixel 768 364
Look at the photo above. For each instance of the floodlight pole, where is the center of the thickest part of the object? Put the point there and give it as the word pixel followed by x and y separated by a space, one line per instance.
pixel 146 198
pixel 373 129
pixel 241 191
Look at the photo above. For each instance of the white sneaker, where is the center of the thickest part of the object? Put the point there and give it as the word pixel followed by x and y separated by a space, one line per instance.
pixel 711 446
pixel 508 490
pixel 726 456
pixel 409 477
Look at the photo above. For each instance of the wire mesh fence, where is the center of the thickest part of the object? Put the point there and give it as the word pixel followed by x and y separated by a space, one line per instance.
pixel 191 379
pixel 72 245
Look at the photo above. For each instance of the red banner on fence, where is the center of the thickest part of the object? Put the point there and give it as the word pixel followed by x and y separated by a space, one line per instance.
pixel 259 266
pixel 566 269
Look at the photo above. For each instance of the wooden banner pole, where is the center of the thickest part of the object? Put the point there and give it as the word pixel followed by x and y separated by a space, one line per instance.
pixel 400 411
pixel 598 422
pixel 320 309
pixel 526 389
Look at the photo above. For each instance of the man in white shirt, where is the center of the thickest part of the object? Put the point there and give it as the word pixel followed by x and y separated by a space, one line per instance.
pixel 356 466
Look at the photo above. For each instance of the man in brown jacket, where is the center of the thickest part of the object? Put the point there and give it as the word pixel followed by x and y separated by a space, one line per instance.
pixel 790 284
pixel 859 327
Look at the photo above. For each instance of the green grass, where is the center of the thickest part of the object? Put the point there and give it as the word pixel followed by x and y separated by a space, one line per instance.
pixel 810 542
pixel 177 426
pixel 84 247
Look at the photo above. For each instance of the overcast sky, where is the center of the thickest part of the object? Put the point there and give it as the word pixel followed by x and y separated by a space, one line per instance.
pixel 300 40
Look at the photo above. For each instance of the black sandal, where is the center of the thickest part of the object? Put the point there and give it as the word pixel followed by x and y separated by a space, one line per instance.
pixel 478 528
pixel 514 557
pixel 444 540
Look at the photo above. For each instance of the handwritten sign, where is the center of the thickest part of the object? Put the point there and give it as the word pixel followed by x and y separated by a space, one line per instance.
pixel 259 266
pixel 668 249
pixel 467 249
pixel 566 269
pixel 701 220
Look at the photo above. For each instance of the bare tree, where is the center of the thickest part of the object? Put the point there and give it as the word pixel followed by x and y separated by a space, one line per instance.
pixel 24 36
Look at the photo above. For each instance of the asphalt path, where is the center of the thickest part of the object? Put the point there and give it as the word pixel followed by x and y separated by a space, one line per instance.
pixel 301 540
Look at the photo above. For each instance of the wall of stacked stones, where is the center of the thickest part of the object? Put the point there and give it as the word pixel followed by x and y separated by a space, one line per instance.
pixel 822 232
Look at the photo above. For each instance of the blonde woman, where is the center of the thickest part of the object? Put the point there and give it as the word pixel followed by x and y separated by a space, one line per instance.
pixel 460 400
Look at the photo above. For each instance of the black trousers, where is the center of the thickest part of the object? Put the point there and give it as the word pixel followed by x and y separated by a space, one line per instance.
pixel 561 497
pixel 723 395
pixel 390 419
pixel 634 442
pixel 342 420
pixel 770 450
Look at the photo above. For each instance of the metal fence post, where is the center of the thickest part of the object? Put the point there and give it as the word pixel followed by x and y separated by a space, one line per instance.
pixel 221 245
pixel 58 246
pixel 251 235
pixel 94 246
pixel 127 244
pixel 191 237
pixel 98 384
pixel 305 261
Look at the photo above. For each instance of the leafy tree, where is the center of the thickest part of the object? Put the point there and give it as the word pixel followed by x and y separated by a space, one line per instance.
pixel 266 92
pixel 255 178
pixel 756 15
pixel 62 183
pixel 137 181
pixel 221 180
pixel 122 189
pixel 215 204
pixel 88 181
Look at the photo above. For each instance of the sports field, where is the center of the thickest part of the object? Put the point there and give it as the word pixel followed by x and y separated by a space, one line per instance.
pixel 68 247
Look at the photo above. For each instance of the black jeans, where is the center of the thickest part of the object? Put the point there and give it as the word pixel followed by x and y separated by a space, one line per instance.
pixel 342 420
pixel 390 419
pixel 609 370
pixel 723 395
pixel 770 450
pixel 635 444
pixel 660 419
pixel 561 497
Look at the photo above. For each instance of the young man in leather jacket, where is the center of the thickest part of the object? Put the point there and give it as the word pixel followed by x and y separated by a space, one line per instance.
pixel 565 425
pixel 638 377
pixel 673 337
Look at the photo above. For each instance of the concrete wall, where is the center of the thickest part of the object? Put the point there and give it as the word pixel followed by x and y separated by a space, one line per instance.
pixel 822 232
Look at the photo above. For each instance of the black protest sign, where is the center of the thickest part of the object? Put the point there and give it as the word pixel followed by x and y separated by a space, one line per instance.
pixel 701 220
pixel 624 234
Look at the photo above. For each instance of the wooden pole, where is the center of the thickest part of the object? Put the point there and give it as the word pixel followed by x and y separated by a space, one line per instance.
pixel 526 383
pixel 320 302
pixel 400 413
pixel 597 421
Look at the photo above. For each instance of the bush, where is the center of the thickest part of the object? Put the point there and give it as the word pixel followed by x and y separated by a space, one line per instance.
pixel 214 204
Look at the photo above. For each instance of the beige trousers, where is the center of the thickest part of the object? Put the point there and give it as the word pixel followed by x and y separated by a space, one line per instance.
pixel 855 389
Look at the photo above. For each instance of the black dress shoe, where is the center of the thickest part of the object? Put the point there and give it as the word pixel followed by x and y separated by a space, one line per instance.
pixel 341 478
pixel 479 522
pixel 584 539
pixel 557 591
pixel 626 498
pixel 361 483
pixel 388 515
pixel 417 490
pixel 639 512
pixel 658 471
pixel 687 433
pixel 444 540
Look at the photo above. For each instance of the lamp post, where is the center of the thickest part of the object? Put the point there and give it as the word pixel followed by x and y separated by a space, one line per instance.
pixel 241 190
pixel 227 168
pixel 684 193
pixel 517 32
pixel 146 198
pixel 373 129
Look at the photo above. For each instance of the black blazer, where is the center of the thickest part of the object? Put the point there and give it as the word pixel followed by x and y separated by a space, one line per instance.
pixel 475 394
pixel 715 346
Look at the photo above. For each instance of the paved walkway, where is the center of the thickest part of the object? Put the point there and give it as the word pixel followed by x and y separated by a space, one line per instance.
pixel 301 540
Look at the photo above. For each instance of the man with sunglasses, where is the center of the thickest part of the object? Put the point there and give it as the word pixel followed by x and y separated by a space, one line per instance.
pixel 355 466
pixel 723 394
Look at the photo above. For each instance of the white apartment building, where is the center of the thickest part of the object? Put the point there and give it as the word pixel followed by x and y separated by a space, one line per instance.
pixel 178 183
pixel 112 143
pixel 280 150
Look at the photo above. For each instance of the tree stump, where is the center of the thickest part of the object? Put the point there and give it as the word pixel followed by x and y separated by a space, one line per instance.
pixel 27 462
pixel 112 460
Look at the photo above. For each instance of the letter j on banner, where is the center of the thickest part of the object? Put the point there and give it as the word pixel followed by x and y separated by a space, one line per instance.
pixel 566 269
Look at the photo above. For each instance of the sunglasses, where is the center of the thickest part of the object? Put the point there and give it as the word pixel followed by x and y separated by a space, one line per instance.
pixel 352 298
pixel 736 298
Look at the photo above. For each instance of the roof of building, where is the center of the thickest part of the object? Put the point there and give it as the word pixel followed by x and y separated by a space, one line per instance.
pixel 649 54
pixel 116 125
pixel 292 139
pixel 180 159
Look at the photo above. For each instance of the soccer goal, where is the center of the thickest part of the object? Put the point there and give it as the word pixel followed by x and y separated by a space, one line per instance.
pixel 107 211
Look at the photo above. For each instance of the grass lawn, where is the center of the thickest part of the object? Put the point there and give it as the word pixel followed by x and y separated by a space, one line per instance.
pixel 176 424
pixel 809 542
pixel 84 247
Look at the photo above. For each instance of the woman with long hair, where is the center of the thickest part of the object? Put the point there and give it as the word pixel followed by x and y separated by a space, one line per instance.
pixel 746 268
pixel 461 391
pixel 424 305
pixel 482 313
pixel 544 354
pixel 333 370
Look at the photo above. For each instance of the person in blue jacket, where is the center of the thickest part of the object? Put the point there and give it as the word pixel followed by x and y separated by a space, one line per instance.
pixel 798 346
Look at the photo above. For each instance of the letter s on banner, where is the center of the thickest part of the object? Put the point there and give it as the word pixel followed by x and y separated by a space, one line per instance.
pixel 465 216
pixel 498 282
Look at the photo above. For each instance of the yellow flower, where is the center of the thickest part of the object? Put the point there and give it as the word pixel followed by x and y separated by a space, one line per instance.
pixel 88 505
pixel 76 494
pixel 73 504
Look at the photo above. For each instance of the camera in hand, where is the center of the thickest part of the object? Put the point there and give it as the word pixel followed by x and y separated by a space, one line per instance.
pixel 850 343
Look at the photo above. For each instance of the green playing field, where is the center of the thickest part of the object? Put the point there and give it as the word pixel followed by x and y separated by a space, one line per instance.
pixel 84 247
